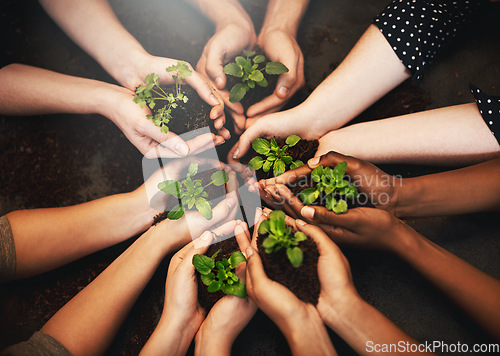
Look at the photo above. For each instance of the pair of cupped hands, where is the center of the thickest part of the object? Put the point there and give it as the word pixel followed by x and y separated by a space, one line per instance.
pixel 375 228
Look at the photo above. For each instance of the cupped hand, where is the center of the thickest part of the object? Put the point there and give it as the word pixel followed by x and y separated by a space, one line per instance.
pixel 228 41
pixel 280 46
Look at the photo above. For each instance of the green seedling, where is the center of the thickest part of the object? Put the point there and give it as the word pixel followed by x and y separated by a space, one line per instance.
pixel 220 275
pixel 146 95
pixel 191 192
pixel 330 182
pixel 281 236
pixel 247 68
pixel 275 156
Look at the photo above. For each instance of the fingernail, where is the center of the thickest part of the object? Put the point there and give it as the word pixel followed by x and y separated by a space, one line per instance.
pixel 218 82
pixel 307 212
pixel 214 100
pixel 230 202
pixel 207 235
pixel 283 91
pixel 218 125
pixel 238 229
pixel 313 161
pixel 236 153
pixel 181 148
pixel 249 251
pixel 300 222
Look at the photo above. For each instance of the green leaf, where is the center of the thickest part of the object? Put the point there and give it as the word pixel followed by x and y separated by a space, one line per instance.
pixel 256 75
pixel 317 173
pixel 214 286
pixel 251 84
pixel 279 167
pixel 263 83
pixel 261 146
pixel 248 53
pixel 267 166
pixel 342 183
pixel 269 242
pixel 183 69
pixel 171 187
pixel 233 69
pixel 259 58
pixel 295 256
pixel 298 163
pixel 352 192
pixel 341 207
pixel 300 236
pixel 227 289
pixel 207 278
pixel 330 202
pixel 241 61
pixel 203 264
pixel 276 68
pixel 287 159
pixel 264 227
pixel 339 170
pixel 204 208
pixel 237 92
pixel 292 140
pixel 274 145
pixel 236 258
pixel 256 163
pixel 239 289
pixel 309 195
pixel 277 224
pixel 219 178
pixel 193 168
pixel 176 212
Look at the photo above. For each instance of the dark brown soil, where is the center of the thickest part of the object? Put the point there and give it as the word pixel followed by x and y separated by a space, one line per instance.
pixel 190 116
pixel 212 190
pixel 303 150
pixel 227 247
pixel 258 93
pixel 303 281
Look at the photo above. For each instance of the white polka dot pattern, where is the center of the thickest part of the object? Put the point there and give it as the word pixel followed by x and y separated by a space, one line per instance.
pixel 418 29
pixel 489 108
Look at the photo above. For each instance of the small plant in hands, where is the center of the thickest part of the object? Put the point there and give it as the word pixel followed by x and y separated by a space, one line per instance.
pixel 145 95
pixel 221 275
pixel 330 182
pixel 280 235
pixel 275 156
pixel 247 68
pixel 191 192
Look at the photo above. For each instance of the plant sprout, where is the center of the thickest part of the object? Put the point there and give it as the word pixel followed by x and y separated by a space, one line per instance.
pixel 145 95
pixel 220 275
pixel 281 236
pixel 330 182
pixel 191 192
pixel 247 68
pixel 275 156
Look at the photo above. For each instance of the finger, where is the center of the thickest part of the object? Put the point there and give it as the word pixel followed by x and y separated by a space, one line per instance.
pixel 203 88
pixel 291 177
pixel 261 218
pixel 214 67
pixel 202 143
pixel 245 141
pixel 242 236
pixel 224 133
pixel 235 107
pixel 323 242
pixel 328 160
pixel 188 251
pixel 168 145
pixel 239 121
pixel 256 276
pixel 290 202
pixel 320 215
pixel 271 103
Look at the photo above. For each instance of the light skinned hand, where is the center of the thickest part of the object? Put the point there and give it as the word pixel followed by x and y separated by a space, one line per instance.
pixel 280 46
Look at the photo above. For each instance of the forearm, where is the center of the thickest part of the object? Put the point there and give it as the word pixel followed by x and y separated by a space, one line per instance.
pixel 368 72
pixel 93 25
pixel 88 323
pixel 170 337
pixel 475 292
pixel 467 190
pixel 213 342
pixel 446 136
pixel 49 238
pixel 224 12
pixel 284 15
pixel 362 326
pixel 27 90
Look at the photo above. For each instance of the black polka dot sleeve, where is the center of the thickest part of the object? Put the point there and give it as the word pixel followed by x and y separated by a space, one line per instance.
pixel 418 29
pixel 489 108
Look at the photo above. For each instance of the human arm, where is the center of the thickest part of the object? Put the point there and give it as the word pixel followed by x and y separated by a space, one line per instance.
pixel 234 32
pixel 475 292
pixel 97 312
pixel 277 38
pixel 229 316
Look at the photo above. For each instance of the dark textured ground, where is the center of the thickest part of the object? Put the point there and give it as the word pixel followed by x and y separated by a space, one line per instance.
pixel 59 160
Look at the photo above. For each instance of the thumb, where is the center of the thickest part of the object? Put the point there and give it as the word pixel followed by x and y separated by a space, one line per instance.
pixel 169 145
pixel 255 269
pixel 214 69
pixel 286 81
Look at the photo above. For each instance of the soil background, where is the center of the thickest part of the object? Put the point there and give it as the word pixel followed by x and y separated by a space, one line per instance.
pixel 60 160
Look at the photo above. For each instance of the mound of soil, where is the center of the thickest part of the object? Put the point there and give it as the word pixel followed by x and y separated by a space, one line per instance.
pixel 303 281
pixel 227 247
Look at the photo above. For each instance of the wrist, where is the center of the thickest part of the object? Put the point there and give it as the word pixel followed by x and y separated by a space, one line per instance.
pixel 170 337
pixel 406 197
pixel 209 341
pixel 337 310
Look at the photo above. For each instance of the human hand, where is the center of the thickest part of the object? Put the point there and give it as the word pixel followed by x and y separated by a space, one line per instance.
pixel 152 64
pixel 380 188
pixel 229 316
pixel 280 46
pixel 182 315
